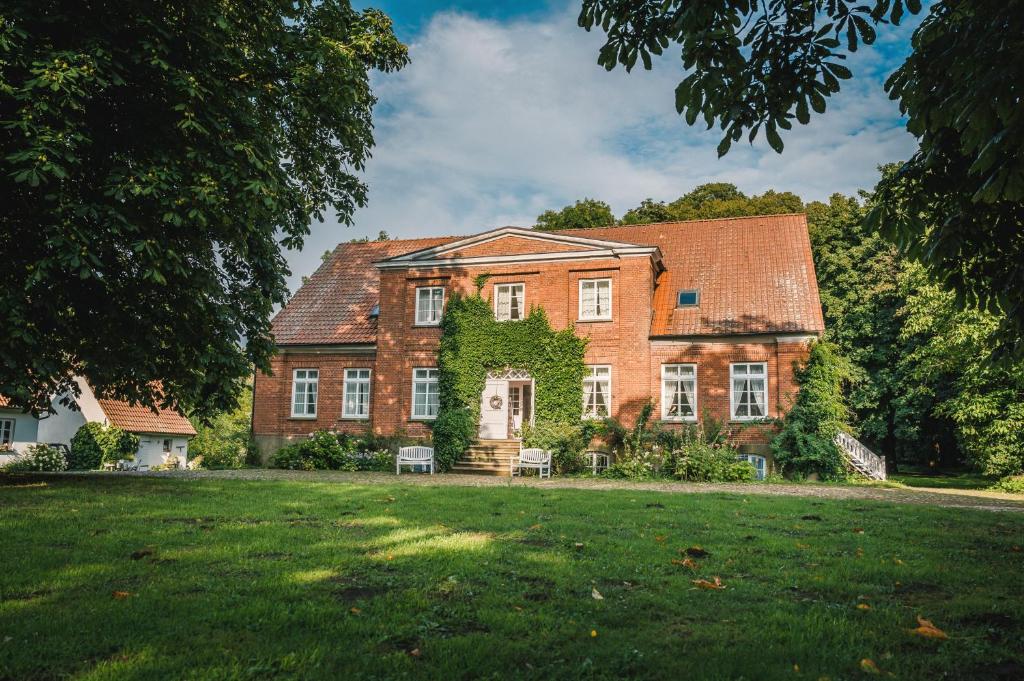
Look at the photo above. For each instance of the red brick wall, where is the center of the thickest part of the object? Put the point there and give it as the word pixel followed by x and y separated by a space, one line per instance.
pixel 623 342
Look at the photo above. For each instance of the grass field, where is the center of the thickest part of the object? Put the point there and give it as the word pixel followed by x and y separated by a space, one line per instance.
pixel 145 578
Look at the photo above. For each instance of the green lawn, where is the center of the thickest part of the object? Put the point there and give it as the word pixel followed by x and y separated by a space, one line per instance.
pixel 146 578
pixel 926 478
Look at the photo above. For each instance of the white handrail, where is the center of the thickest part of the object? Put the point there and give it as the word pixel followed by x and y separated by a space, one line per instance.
pixel 861 458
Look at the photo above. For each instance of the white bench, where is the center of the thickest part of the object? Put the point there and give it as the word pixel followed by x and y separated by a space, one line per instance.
pixel 414 456
pixel 532 458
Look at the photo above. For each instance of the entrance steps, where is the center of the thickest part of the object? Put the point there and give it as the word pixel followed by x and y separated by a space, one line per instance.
pixel 488 457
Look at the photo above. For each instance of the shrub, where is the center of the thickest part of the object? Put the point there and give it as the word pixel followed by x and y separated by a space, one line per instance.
pixel 375 460
pixel 38 457
pixel 700 461
pixel 322 451
pixel 95 444
pixel 805 443
pixel 567 442
pixel 453 432
pixel 1014 484
pixel 637 463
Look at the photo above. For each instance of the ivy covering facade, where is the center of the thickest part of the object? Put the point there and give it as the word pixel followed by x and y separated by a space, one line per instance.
pixel 474 343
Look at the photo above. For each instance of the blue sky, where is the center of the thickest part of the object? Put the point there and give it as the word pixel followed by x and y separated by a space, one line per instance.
pixel 504 113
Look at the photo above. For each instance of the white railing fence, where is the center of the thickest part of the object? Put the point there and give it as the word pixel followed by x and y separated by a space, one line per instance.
pixel 862 459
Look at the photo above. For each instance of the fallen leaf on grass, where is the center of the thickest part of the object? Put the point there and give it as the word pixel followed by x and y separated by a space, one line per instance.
pixel 415 652
pixel 858 530
pixel 863 606
pixel 142 553
pixel 696 552
pixel 928 630
pixel 685 562
pixel 387 500
pixel 802 546
pixel 593 633
pixel 1016 549
pixel 715 584
pixel 120 595
pixel 578 545
pixel 354 611
pixel 595 594
pixel 535 527
pixel 660 538
pixel 868 665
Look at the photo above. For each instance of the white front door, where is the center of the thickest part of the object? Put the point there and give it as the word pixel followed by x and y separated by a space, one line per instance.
pixel 494 410
pixel 515 408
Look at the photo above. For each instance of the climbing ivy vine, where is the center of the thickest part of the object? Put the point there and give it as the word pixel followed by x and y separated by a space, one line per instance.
pixel 473 343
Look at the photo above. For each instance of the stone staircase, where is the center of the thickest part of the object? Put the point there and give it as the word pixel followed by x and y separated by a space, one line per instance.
pixel 487 457
pixel 860 458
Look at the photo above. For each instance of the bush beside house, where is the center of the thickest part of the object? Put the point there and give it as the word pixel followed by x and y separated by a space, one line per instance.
pixel 95 444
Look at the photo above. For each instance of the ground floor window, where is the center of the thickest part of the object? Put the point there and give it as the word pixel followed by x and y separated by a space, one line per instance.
pixel 749 395
pixel 425 398
pixel 356 397
pixel 760 464
pixel 597 392
pixel 168 443
pixel 6 432
pixel 304 390
pixel 679 392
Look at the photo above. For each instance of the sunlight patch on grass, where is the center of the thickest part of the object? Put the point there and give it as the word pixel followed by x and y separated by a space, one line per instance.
pixel 448 543
pixel 311 576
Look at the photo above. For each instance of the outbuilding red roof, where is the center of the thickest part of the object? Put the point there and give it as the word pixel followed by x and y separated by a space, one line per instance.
pixel 140 419
pixel 754 274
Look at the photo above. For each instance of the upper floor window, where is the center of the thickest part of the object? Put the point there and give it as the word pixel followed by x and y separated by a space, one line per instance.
pixel 429 305
pixel 6 432
pixel 356 397
pixel 749 395
pixel 679 392
pixel 597 392
pixel 509 301
pixel 304 389
pixel 595 298
pixel 425 397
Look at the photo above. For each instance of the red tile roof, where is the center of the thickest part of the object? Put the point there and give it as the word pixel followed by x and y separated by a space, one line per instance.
pixel 754 274
pixel 140 419
pixel 4 401
pixel 334 305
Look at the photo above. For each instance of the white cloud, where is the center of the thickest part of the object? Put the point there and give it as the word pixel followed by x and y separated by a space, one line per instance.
pixel 494 122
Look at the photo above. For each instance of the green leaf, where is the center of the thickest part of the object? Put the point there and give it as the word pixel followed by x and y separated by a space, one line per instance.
pixel 772 135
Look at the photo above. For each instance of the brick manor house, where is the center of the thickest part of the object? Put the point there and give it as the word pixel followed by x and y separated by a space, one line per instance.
pixel 706 316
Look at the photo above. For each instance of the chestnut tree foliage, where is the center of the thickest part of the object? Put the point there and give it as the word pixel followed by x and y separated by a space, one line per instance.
pixel 957 205
pixel 157 156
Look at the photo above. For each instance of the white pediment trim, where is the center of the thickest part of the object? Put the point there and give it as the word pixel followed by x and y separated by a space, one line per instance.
pixel 437 256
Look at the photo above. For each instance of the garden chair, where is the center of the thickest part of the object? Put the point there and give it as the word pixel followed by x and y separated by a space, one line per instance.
pixel 414 456
pixel 532 458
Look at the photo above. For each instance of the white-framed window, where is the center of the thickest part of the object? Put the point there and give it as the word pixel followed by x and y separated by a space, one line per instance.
pixel 429 305
pixel 168 444
pixel 6 432
pixel 760 464
pixel 597 392
pixel 679 392
pixel 356 394
pixel 509 302
pixel 595 298
pixel 304 390
pixel 425 398
pixel 749 394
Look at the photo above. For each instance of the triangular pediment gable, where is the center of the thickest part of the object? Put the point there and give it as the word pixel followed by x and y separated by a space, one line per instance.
pixel 516 243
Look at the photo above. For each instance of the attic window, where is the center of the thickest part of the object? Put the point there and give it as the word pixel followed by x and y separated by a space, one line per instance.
pixel 688 298
pixel 375 311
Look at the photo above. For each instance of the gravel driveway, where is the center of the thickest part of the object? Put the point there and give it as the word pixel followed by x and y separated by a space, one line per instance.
pixel 977 499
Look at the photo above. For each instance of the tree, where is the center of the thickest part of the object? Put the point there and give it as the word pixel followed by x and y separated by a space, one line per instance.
pixel 157 156
pixel 714 200
pixel 958 204
pixel 582 214
pixel 805 443
pixel 223 441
